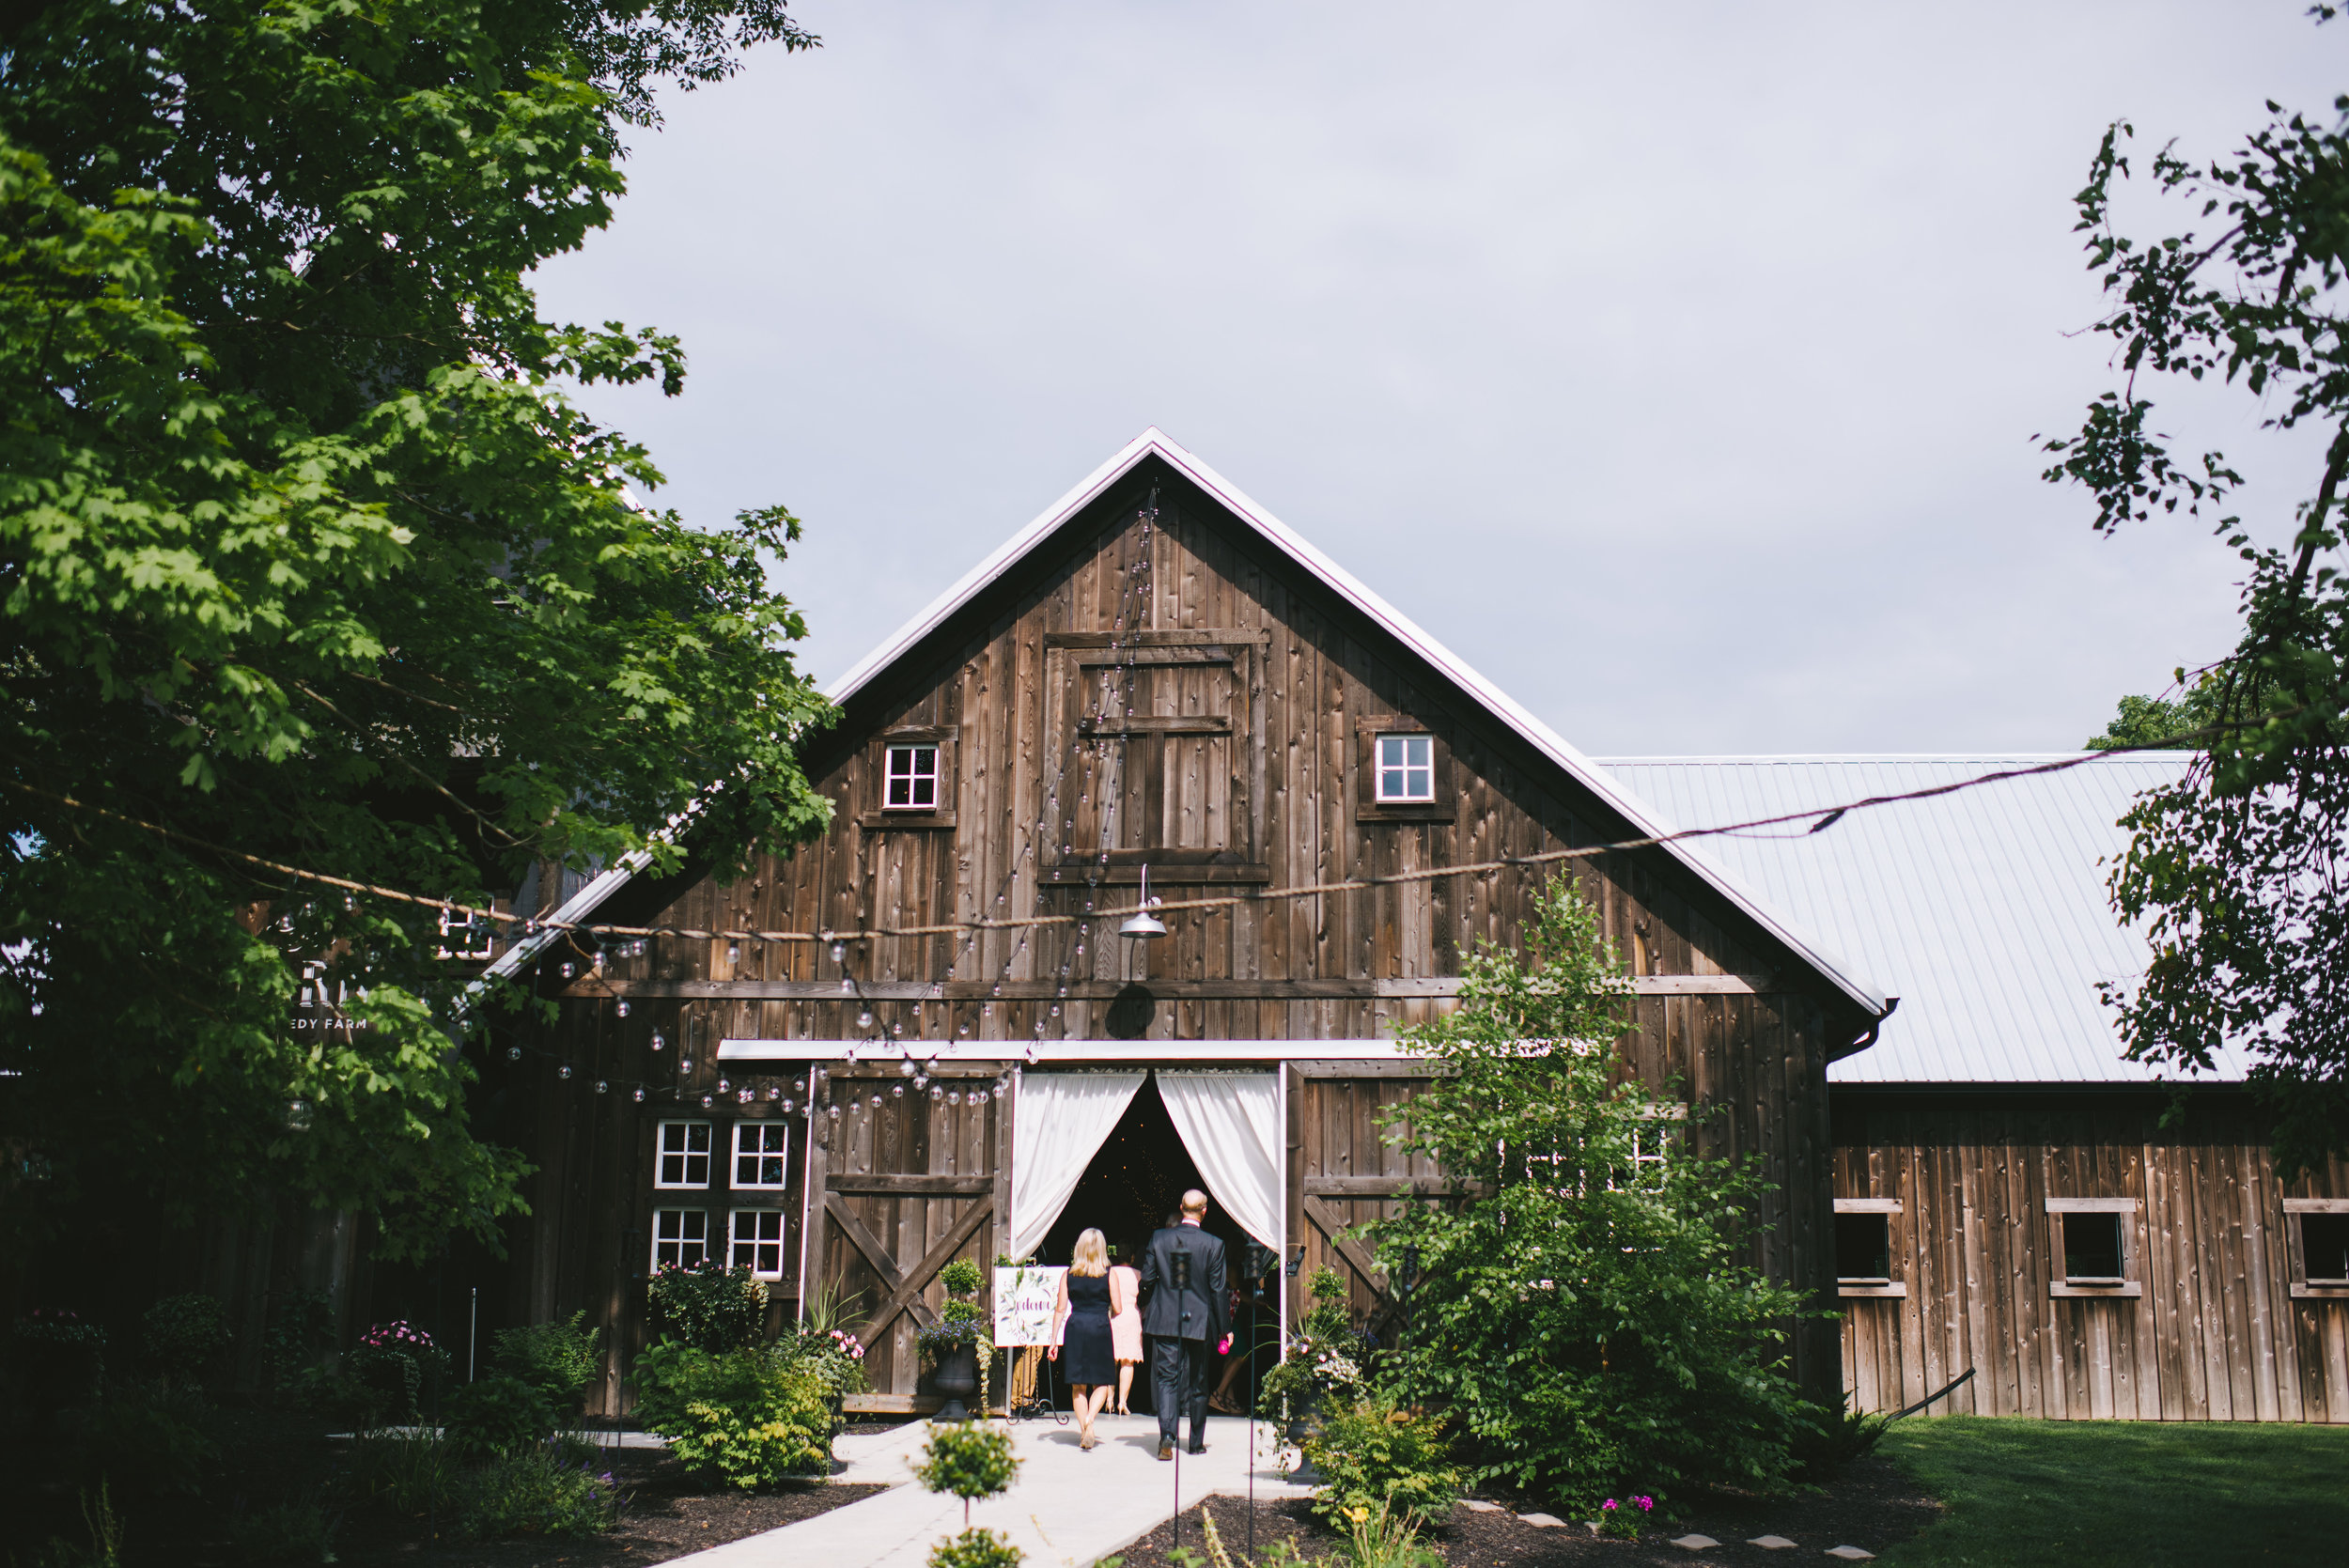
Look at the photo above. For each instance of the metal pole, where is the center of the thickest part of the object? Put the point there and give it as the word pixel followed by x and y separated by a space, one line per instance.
pixel 1255 1288
pixel 472 1336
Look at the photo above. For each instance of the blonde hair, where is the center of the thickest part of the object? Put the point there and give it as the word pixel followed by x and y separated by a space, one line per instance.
pixel 1091 1256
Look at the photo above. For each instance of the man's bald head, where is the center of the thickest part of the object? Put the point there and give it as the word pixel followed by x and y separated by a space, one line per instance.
pixel 1194 1204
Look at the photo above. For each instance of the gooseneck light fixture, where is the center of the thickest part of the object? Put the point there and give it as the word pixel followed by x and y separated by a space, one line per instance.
pixel 1141 924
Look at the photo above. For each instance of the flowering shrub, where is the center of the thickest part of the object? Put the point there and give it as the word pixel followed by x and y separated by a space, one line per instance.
pixel 708 1306
pixel 1325 1355
pixel 394 1361
pixel 1625 1518
pixel 836 1356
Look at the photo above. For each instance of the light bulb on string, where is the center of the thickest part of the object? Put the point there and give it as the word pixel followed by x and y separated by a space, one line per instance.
pixel 603 1086
pixel 839 951
pixel 658 1043
pixel 742 1096
pixel 734 953
pixel 833 1112
pixel 707 1102
pixel 937 1092
pixel 563 1072
pixel 978 1096
pixel 896 1091
pixel 876 1102
pixel 849 1055
pixel 954 1096
pixel 513 1053
pixel 684 1064
pixel 638 1095
pixel 723 1086
pixel 621 1007
pixel 864 1017
pixel 774 1093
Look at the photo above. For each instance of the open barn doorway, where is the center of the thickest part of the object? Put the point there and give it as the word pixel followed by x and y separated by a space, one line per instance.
pixel 1132 1186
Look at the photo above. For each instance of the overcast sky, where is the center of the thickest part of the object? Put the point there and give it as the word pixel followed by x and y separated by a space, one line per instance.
pixel 1677 366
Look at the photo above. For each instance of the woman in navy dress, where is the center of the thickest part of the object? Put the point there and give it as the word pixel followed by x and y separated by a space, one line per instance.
pixel 1083 1311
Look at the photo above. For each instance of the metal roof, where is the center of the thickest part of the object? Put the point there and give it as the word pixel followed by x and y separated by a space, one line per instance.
pixel 1498 703
pixel 1985 912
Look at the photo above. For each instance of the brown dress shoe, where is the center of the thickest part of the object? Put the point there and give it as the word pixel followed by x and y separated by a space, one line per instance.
pixel 1166 1451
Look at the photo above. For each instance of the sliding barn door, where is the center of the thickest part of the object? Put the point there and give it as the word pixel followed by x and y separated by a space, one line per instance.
pixel 899 1189
pixel 1344 1170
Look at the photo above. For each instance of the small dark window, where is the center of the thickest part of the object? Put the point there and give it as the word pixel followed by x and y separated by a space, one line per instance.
pixel 1863 1248
pixel 2324 1247
pixel 912 779
pixel 2092 1247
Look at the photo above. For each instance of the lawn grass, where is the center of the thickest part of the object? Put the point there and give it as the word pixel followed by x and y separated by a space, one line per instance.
pixel 2089 1493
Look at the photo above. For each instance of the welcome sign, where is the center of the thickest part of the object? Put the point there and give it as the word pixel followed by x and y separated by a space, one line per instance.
pixel 1024 1297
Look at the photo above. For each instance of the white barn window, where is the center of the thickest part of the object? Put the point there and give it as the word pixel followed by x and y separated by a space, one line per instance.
pixel 911 778
pixel 1407 769
pixel 761 1151
pixel 684 1155
pixel 757 1242
pixel 679 1236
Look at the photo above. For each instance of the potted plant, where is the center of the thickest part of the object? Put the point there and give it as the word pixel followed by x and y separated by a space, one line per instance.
pixel 1324 1358
pixel 953 1340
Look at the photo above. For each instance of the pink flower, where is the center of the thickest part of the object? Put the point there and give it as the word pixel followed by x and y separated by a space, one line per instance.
pixel 1609 1503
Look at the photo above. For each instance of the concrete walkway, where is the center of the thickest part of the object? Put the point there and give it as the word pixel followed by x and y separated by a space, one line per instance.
pixel 1068 1509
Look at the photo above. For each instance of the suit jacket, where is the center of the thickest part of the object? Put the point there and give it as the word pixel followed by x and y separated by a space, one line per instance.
pixel 1200 1310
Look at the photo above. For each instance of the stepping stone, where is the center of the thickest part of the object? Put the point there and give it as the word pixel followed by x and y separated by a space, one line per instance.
pixel 1771 1543
pixel 1850 1554
pixel 1478 1505
pixel 1542 1521
pixel 1695 1542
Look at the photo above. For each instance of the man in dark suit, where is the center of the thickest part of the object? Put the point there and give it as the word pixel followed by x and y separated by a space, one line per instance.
pixel 1187 1310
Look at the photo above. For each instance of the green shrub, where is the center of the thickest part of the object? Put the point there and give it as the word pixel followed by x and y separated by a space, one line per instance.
pixel 1589 1316
pixel 292 1535
pixel 1380 1539
pixel 181 1336
pixel 708 1306
pixel 559 1359
pixel 496 1416
pixel 1326 1354
pixel 752 1417
pixel 975 1548
pixel 1834 1440
pixel 302 1324
pixel 406 1473
pixel 151 1442
pixel 1373 1455
pixel 961 1277
pixel 537 1491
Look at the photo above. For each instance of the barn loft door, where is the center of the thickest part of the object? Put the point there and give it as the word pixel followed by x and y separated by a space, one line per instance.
pixel 898 1190
pixel 1344 1172
pixel 1161 761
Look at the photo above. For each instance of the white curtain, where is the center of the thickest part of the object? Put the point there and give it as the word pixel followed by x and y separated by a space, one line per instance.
pixel 1231 1123
pixel 1059 1123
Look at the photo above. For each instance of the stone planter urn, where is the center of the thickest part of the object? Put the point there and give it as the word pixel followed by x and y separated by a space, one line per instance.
pixel 958 1378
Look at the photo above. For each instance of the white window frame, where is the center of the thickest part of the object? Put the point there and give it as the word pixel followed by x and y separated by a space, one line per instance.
pixel 2304 1287
pixel 1891 1284
pixel 685 1153
pixel 912 774
pixel 758 1219
pixel 1403 769
pixel 2060 1283
pixel 466 935
pixel 769 1138
pixel 681 1235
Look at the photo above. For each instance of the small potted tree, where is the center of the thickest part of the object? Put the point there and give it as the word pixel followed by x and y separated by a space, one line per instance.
pixel 953 1340
pixel 972 1460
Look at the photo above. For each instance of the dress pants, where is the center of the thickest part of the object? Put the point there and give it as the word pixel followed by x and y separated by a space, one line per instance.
pixel 1178 1383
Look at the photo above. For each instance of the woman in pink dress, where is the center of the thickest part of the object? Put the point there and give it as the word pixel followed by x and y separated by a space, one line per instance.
pixel 1125 1325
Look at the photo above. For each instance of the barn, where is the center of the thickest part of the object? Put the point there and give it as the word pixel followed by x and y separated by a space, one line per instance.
pixel 1155 690
pixel 1155 679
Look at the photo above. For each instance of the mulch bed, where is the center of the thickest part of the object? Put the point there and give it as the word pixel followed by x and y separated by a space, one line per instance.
pixel 668 1515
pixel 1871 1505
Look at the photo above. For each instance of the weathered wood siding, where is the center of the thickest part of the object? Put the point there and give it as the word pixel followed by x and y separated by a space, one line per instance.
pixel 2216 1333
pixel 1174 691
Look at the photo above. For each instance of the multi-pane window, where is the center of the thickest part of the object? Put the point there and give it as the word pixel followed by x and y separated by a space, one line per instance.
pixel 911 778
pixel 1407 768
pixel 465 935
pixel 684 1155
pixel 757 1242
pixel 760 1153
pixel 679 1236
